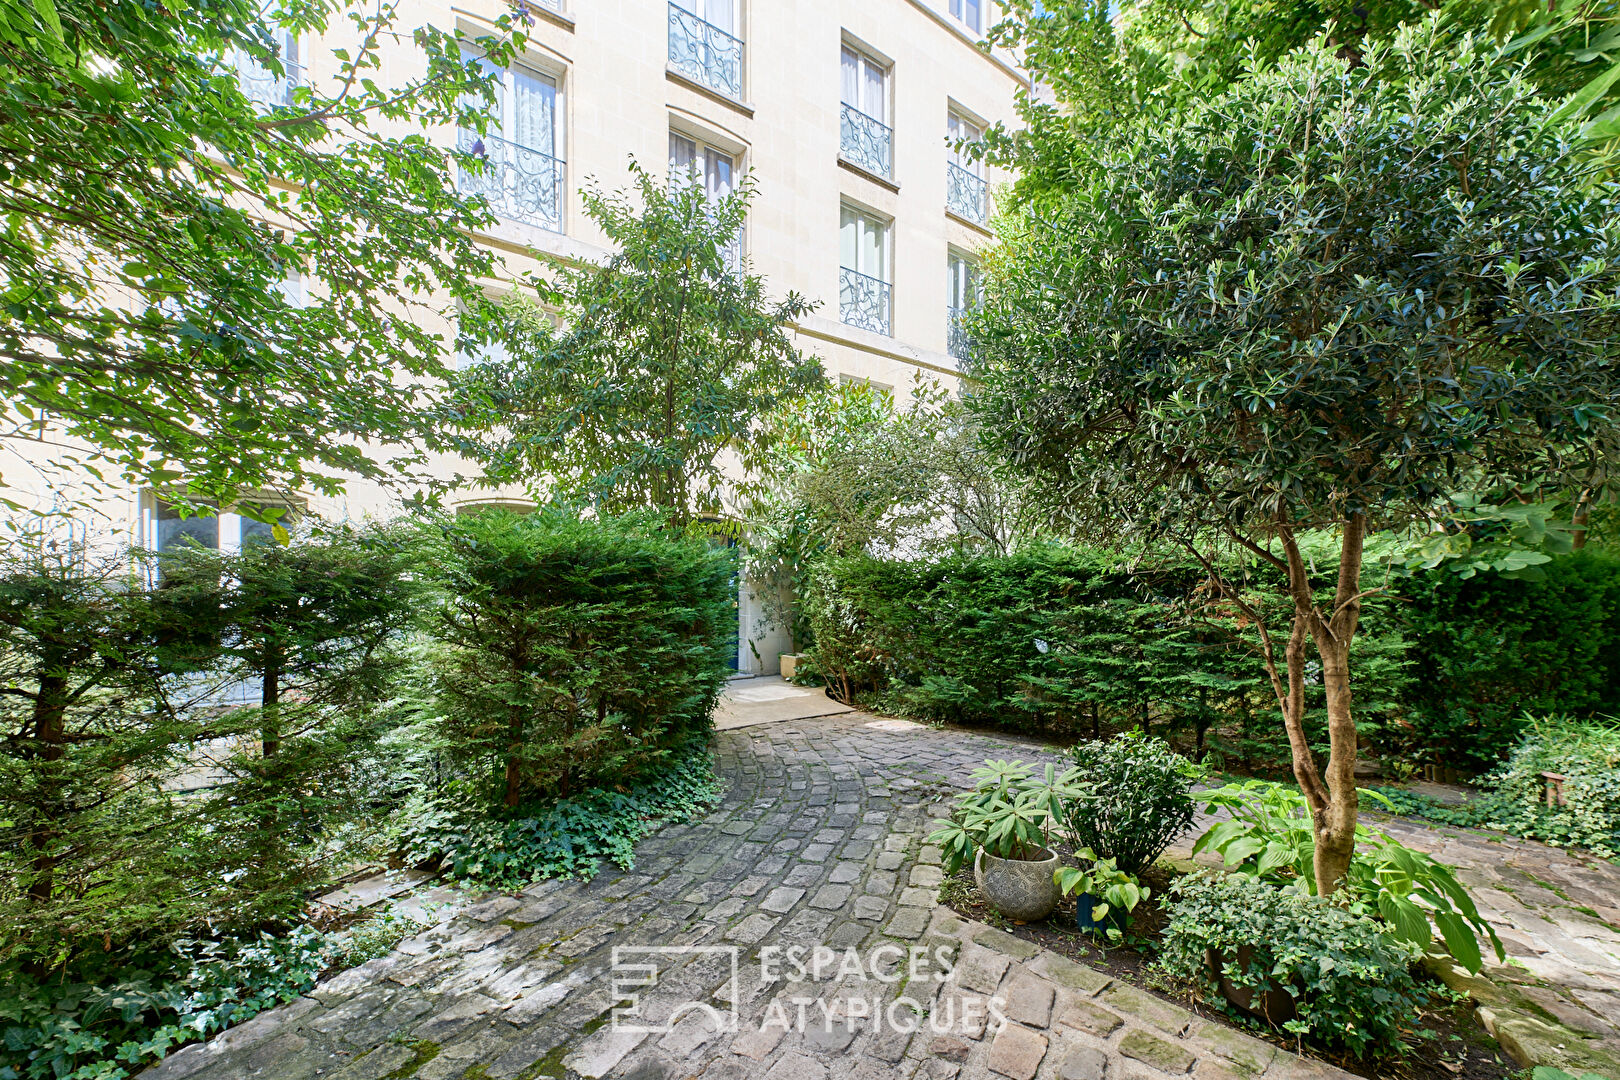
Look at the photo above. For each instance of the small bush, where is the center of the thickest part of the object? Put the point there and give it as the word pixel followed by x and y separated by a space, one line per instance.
pixel 566 838
pixel 1352 985
pixel 1138 798
pixel 577 653
pixel 1585 753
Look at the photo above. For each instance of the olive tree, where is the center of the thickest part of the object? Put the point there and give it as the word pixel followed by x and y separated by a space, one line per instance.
pixel 1313 304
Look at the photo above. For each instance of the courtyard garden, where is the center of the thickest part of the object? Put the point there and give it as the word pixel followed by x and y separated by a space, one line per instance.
pixel 1234 648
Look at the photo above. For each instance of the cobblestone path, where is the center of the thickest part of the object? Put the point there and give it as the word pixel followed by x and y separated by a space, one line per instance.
pixel 819 842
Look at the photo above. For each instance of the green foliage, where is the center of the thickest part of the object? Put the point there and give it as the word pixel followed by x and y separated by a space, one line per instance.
pixel 1137 798
pixel 124 1012
pixel 1350 981
pixel 576 653
pixel 563 838
pixel 153 214
pixel 1495 648
pixel 1547 1072
pixel 1269 836
pixel 1586 754
pixel 671 355
pixel 1010 813
pixel 1113 893
pixel 133 806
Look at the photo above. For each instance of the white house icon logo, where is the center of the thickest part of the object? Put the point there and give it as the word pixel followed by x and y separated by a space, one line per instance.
pixel 636 971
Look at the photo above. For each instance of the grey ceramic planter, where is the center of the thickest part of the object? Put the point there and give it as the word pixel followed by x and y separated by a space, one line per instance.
pixel 1021 890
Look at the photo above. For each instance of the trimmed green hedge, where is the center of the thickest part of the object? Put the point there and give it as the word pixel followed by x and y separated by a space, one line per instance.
pixel 577 653
pixel 1071 641
pixel 1493 649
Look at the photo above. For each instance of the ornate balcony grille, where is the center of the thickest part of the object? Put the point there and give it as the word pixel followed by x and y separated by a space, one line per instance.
pixel 863 301
pixel 549 5
pixel 966 195
pixel 521 184
pixel 261 85
pixel 704 53
pixel 866 142
pixel 956 337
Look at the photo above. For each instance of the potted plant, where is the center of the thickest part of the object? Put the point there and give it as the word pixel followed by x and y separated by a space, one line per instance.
pixel 1004 825
pixel 1104 894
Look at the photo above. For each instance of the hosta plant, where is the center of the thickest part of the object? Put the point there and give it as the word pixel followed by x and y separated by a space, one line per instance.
pixel 1269 836
pixel 1112 893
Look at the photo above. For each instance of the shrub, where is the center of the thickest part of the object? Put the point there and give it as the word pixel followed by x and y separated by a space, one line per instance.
pixel 567 838
pixel 1351 983
pixel 1494 648
pixel 577 653
pixel 1137 798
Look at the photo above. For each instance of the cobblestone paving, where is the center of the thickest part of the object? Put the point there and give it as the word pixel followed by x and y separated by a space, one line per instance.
pixel 819 841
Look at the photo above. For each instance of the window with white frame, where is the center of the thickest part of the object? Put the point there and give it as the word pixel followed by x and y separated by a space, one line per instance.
pixel 864 289
pixel 693 161
pixel 864 135
pixel 264 86
pixel 962 294
pixel 522 170
pixel 970 13
pixel 966 194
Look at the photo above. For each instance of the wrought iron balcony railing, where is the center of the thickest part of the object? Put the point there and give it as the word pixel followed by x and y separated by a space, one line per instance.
pixel 957 343
pixel 704 53
pixel 261 85
pixel 521 184
pixel 863 301
pixel 966 195
pixel 866 141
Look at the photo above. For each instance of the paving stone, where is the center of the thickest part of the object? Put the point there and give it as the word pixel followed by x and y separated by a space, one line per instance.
pixel 927 877
pixel 870 907
pixel 882 882
pixel 890 860
pixel 923 898
pixel 751 929
pixel 377 1064
pixel 1143 1006
pixel 908 923
pixel 1006 944
pixel 601 1051
pixel 1152 1050
pixel 846 872
pixel 816 853
pixel 1029 1000
pixel 781 901
pixel 1017 1052
pixel 1084 1016
pixel 950 1048
pixel 981 970
pixel 828 1038
pixel 831 897
pixel 796 1066
pixel 1084 1063
pixel 1065 972
pixel 756 1043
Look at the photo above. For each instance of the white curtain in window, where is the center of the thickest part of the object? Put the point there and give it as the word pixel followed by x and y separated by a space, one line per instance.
pixel 534 111
pixel 959 130
pixel 473 101
pixel 864 245
pixel 961 282
pixel 862 84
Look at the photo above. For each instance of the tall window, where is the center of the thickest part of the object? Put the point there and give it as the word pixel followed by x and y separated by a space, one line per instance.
pixel 864 135
pixel 704 45
pixel 262 85
pixel 692 161
pixel 970 13
pixel 966 194
pixel 864 290
pixel 522 175
pixel 962 294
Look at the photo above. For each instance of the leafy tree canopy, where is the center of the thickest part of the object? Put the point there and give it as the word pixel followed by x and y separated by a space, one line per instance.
pixel 151 214
pixel 1097 62
pixel 1324 299
pixel 669 357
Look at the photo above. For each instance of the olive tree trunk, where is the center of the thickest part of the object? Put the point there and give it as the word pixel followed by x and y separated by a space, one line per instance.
pixel 1330 793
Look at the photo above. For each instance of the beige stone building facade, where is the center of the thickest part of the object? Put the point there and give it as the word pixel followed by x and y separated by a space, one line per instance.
pixel 844 113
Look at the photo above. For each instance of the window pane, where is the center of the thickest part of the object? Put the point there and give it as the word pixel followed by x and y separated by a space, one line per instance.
pixel 874 106
pixel 719 173
pixel 970 14
pixel 720 12
pixel 848 244
pixel 851 75
pixel 682 158
pixel 534 108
